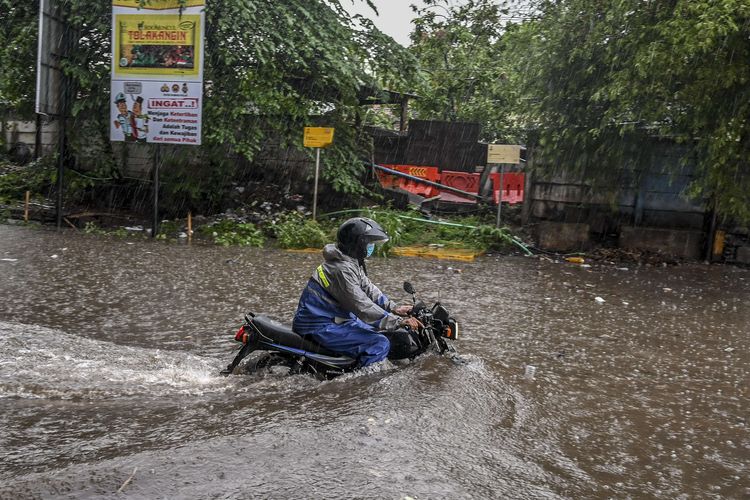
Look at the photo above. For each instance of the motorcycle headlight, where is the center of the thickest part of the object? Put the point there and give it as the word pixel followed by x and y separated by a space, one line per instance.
pixel 451 330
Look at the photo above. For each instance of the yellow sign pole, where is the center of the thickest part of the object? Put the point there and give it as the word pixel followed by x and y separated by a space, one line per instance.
pixel 500 154
pixel 315 192
pixel 317 137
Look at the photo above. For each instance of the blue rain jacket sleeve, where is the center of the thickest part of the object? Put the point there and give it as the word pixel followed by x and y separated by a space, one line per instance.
pixel 339 291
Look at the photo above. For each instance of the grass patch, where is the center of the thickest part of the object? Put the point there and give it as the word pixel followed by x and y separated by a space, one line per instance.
pixel 229 232
pixel 292 230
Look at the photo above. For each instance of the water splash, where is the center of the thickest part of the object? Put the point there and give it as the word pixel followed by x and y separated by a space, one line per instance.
pixel 46 363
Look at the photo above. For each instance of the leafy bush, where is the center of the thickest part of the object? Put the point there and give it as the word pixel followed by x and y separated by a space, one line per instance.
pixel 230 232
pixel 492 238
pixel 294 231
pixel 37 177
pixel 407 228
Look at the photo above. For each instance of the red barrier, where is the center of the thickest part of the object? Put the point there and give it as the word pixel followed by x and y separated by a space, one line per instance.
pixel 387 180
pixel 427 173
pixel 513 187
pixel 459 180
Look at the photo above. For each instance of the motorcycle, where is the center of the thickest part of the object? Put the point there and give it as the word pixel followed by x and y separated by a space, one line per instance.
pixel 283 347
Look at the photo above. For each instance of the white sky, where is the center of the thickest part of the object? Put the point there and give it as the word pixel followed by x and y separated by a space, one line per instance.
pixel 394 19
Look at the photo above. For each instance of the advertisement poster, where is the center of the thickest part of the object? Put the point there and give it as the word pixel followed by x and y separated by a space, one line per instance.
pixel 166 112
pixel 157 72
pixel 157 45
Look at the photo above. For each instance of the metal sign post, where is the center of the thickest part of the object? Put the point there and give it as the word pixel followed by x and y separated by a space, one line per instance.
pixel 315 192
pixel 155 226
pixel 499 198
pixel 317 137
pixel 51 83
pixel 501 154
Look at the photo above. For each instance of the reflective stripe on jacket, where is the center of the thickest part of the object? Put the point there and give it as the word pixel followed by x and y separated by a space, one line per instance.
pixel 339 291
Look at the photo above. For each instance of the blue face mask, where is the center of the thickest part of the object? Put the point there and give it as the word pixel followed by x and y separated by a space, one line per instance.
pixel 370 248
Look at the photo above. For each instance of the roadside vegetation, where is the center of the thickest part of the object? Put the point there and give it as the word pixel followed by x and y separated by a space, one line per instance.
pixel 294 231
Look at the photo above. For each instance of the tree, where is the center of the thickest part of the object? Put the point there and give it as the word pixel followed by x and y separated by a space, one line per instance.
pixel 461 53
pixel 18 40
pixel 602 76
pixel 270 69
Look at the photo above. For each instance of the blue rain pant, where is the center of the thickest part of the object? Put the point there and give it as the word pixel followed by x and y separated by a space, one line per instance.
pixel 353 338
pixel 316 318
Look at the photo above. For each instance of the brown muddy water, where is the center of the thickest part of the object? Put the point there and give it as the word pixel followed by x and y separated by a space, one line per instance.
pixel 110 352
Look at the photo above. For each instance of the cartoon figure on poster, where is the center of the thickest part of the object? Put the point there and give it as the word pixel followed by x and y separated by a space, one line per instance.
pixel 140 120
pixel 134 124
pixel 122 120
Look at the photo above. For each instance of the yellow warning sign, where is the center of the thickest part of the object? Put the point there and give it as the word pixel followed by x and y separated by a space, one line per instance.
pixel 318 137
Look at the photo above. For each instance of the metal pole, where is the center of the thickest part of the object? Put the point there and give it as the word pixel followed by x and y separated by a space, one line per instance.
pixel 26 207
pixel 315 192
pixel 500 198
pixel 60 166
pixel 155 225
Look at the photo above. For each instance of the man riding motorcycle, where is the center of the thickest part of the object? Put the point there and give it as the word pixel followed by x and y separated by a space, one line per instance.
pixel 341 309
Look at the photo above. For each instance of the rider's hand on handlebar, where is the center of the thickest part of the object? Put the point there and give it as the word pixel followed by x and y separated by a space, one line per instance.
pixel 403 310
pixel 412 323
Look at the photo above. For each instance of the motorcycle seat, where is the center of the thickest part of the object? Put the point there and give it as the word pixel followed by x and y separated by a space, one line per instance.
pixel 286 336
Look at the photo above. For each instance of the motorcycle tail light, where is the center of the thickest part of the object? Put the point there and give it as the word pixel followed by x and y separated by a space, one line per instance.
pixel 241 336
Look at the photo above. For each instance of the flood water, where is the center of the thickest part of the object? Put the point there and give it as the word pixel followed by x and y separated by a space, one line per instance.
pixel 110 352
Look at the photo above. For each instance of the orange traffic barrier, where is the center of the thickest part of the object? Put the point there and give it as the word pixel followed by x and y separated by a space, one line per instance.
pixel 427 173
pixel 512 189
pixel 460 180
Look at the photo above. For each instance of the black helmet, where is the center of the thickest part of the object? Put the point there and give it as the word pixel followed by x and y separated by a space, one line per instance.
pixel 355 234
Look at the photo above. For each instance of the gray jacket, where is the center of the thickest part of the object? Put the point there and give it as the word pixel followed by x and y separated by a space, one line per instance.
pixel 343 278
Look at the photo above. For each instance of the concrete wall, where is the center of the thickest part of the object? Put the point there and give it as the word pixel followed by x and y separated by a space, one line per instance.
pixel 679 243
pixel 19 133
pixel 643 195
pixel 641 206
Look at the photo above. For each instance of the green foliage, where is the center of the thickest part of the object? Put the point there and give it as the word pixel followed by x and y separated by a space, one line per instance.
pixel 463 73
pixel 407 228
pixel 294 231
pixel 271 68
pixel 18 41
pixel 92 227
pixel 230 232
pixel 598 78
pixel 36 177
pixel 491 237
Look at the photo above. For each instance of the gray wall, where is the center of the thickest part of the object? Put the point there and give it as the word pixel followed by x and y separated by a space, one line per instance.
pixel 651 195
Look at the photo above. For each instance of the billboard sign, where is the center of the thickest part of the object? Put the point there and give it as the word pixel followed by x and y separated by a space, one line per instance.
pixel 157 71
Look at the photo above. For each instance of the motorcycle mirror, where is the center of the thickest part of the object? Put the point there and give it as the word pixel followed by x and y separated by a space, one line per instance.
pixel 408 288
